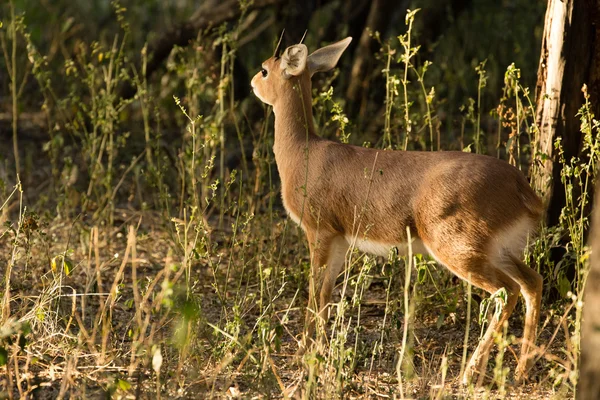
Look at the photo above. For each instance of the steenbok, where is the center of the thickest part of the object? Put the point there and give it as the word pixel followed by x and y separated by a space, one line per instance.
pixel 472 213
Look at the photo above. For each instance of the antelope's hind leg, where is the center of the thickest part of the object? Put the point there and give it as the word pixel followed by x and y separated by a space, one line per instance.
pixel 491 279
pixel 531 284
pixel 476 268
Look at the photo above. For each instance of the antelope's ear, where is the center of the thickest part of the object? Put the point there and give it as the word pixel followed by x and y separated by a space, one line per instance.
pixel 293 60
pixel 327 57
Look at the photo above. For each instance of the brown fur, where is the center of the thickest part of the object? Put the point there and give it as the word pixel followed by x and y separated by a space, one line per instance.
pixel 458 204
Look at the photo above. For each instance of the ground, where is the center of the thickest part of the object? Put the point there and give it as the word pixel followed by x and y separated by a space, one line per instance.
pixel 222 309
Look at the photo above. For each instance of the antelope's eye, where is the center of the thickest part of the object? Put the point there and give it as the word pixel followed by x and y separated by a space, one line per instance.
pixel 264 72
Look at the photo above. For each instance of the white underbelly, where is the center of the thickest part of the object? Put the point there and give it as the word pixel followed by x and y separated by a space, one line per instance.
pixel 383 249
pixel 372 246
pixel 295 218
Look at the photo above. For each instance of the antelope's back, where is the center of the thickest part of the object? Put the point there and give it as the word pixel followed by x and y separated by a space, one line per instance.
pixel 477 199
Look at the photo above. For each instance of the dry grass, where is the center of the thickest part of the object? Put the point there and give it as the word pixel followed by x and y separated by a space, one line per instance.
pixel 86 335
pixel 137 264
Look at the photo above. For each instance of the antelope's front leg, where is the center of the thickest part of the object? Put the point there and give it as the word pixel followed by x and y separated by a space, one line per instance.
pixel 327 260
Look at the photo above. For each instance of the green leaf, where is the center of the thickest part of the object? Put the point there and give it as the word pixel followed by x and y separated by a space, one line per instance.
pixel 440 320
pixel 123 385
pixel 564 286
pixel 67 265
pixel 3 356
pixel 25 328
pixel 421 275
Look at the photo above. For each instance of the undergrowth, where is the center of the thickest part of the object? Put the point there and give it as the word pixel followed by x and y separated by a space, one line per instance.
pixel 155 259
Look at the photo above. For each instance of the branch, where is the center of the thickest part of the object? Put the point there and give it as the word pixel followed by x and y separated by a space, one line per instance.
pixel 204 17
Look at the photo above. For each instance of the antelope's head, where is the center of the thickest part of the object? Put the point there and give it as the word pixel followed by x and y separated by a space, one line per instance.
pixel 280 73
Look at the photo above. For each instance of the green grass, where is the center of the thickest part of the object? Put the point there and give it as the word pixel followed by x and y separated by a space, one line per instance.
pixel 138 263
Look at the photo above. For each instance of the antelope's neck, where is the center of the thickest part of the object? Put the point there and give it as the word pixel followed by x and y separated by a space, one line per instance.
pixel 294 127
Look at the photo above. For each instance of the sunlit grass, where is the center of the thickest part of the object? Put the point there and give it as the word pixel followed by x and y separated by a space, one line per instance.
pixel 150 268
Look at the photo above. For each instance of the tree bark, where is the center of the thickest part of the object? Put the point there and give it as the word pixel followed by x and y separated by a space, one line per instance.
pixel 588 387
pixel 569 58
pixel 378 19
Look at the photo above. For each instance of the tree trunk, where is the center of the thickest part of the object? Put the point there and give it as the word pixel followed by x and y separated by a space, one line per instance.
pixel 570 57
pixel 378 19
pixel 589 372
